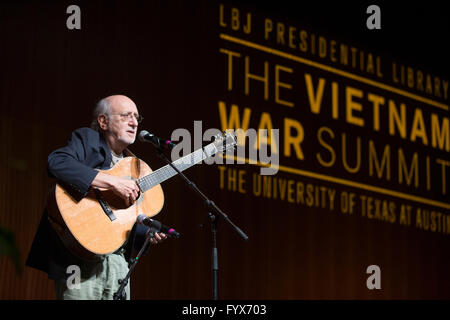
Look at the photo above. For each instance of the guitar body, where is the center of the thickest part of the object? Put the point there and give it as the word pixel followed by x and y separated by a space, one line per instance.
pixel 100 223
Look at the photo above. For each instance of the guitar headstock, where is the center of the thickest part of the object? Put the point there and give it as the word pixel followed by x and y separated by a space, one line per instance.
pixel 225 140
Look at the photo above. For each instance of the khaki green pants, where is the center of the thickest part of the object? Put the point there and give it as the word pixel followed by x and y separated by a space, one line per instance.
pixel 98 281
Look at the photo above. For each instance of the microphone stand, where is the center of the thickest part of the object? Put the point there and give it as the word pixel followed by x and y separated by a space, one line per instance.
pixel 215 262
pixel 120 293
pixel 214 213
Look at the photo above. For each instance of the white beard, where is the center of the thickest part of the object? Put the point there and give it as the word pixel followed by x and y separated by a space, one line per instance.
pixel 127 140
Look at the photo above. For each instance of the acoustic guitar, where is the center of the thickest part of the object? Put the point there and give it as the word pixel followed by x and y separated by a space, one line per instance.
pixel 100 223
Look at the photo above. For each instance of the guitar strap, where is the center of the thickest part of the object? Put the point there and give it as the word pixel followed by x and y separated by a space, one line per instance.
pixel 129 153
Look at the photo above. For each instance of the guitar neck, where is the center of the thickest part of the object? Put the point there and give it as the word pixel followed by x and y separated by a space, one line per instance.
pixel 167 172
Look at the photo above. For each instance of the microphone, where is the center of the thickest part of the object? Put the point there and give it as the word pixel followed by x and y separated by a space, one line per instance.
pixel 143 219
pixel 146 136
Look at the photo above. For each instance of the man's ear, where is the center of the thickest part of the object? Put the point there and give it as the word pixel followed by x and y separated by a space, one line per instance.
pixel 102 121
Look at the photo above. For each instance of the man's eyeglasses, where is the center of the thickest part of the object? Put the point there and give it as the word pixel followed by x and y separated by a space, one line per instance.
pixel 128 116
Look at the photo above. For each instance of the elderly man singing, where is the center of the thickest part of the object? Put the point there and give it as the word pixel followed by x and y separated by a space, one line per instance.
pixel 113 129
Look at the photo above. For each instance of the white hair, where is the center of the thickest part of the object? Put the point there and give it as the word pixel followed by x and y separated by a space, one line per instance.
pixel 102 107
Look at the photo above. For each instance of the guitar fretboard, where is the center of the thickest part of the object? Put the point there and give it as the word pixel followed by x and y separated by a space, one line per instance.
pixel 166 172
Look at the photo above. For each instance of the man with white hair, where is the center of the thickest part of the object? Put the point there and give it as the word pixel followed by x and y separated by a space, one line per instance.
pixel 113 129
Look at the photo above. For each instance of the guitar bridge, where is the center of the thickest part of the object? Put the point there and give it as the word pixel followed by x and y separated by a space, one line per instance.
pixel 106 208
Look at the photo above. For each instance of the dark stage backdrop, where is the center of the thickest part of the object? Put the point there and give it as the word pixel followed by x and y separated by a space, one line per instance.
pixel 361 140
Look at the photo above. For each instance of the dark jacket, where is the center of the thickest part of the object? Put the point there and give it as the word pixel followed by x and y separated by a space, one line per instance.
pixel 74 165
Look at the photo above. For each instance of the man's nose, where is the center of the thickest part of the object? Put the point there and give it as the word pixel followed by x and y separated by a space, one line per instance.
pixel 133 122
